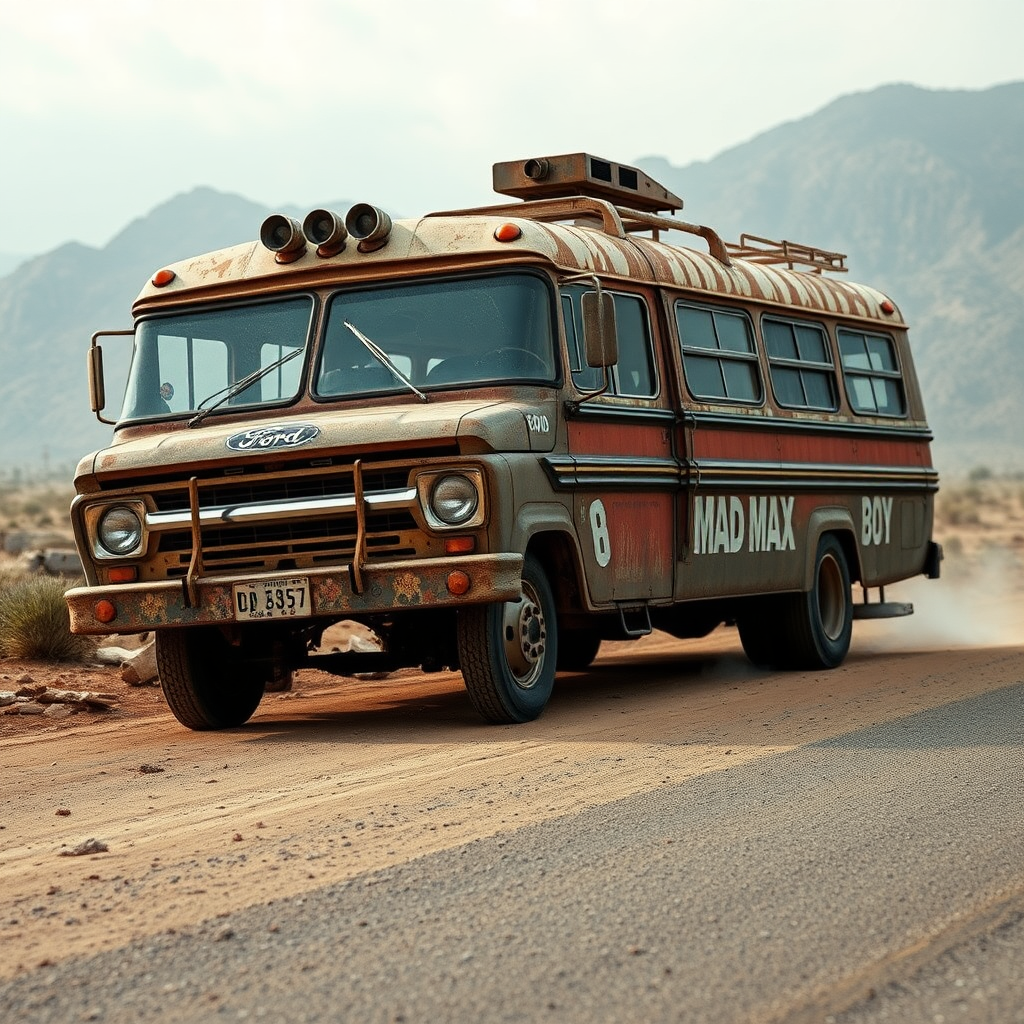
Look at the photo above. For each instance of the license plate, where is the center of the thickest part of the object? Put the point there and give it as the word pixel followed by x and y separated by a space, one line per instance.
pixel 285 598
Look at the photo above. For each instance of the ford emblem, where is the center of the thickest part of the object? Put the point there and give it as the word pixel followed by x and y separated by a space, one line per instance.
pixel 260 439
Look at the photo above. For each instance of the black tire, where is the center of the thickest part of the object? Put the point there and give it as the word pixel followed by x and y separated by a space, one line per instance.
pixel 577 648
pixel 508 652
pixel 759 631
pixel 207 683
pixel 820 622
pixel 809 630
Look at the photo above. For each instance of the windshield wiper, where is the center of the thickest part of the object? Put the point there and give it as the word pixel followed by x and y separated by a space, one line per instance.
pixel 229 392
pixel 385 360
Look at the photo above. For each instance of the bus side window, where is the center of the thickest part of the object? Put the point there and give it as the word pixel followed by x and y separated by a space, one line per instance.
pixel 874 383
pixel 719 358
pixel 634 373
pixel 633 376
pixel 586 378
pixel 800 365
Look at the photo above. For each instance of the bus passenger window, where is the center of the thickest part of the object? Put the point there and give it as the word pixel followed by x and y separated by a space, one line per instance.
pixel 633 376
pixel 634 372
pixel 874 384
pixel 719 359
pixel 800 365
pixel 586 378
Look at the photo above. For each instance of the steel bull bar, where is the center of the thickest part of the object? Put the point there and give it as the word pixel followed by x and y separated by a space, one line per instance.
pixel 356 588
pixel 387 586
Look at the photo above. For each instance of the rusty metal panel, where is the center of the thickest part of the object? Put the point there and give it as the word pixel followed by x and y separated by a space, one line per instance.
pixel 626 482
pixel 389 586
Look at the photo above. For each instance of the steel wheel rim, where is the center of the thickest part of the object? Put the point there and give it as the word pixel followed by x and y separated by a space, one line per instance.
pixel 831 598
pixel 524 637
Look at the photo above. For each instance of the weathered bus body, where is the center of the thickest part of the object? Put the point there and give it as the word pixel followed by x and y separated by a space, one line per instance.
pixel 495 437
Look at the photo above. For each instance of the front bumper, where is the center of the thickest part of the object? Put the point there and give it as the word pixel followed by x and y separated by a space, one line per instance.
pixel 386 586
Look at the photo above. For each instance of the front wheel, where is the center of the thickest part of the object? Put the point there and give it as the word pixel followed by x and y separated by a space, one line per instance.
pixel 208 684
pixel 508 651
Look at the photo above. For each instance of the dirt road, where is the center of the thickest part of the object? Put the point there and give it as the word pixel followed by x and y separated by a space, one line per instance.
pixel 343 777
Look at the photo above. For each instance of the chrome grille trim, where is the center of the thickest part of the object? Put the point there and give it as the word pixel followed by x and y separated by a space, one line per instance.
pixel 298 508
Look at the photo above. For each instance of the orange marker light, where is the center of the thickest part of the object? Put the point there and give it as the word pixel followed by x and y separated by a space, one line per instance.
pixel 163 277
pixel 508 232
pixel 123 574
pixel 105 611
pixel 459 545
pixel 887 307
pixel 458 583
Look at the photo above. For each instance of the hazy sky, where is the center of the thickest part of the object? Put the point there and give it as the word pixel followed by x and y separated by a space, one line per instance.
pixel 110 107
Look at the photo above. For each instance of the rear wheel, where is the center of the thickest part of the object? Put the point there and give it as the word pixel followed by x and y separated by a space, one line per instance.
pixel 809 630
pixel 820 622
pixel 508 651
pixel 208 684
pixel 759 631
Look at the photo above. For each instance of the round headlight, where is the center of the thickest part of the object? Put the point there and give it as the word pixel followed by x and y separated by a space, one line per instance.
pixel 454 499
pixel 120 530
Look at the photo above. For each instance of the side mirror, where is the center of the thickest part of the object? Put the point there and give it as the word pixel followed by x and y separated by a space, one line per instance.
pixel 97 392
pixel 600 340
pixel 97 387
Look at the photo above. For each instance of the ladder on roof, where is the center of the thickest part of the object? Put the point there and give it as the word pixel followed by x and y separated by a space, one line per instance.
pixel 793 254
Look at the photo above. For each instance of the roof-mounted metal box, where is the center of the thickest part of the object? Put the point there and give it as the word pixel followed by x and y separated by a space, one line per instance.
pixel 580 174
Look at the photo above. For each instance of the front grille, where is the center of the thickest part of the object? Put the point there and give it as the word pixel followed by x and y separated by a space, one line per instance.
pixel 323 537
pixel 293 544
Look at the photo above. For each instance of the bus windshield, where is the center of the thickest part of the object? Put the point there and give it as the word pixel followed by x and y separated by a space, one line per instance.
pixel 438 334
pixel 241 356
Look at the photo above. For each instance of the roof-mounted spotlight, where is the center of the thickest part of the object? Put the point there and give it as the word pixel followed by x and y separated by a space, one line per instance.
pixel 283 237
pixel 326 230
pixel 370 225
pixel 538 169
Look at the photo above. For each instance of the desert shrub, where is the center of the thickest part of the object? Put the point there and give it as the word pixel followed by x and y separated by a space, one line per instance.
pixel 960 510
pixel 34 622
pixel 11 573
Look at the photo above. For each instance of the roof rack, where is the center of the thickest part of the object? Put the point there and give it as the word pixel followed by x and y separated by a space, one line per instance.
pixel 616 221
pixel 623 199
pixel 765 250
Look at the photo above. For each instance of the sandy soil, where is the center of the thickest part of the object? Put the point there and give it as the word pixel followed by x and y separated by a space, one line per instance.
pixel 343 776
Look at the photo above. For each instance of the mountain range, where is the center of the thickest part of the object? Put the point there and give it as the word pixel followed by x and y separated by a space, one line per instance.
pixel 925 192
pixel 923 189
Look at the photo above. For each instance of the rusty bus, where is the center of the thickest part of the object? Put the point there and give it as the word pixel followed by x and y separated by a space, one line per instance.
pixel 495 437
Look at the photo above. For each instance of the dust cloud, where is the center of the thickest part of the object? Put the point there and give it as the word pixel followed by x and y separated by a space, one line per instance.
pixel 976 603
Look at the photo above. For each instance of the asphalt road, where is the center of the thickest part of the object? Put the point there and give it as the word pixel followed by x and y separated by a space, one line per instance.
pixel 874 874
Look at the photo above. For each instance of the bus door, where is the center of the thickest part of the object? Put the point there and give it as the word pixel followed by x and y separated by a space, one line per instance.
pixel 626 477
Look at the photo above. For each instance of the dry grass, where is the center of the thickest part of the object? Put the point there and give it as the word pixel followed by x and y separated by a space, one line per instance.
pixel 34 623
pixel 982 513
pixel 36 507
pixel 980 524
